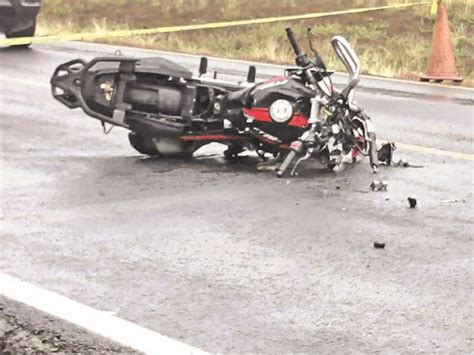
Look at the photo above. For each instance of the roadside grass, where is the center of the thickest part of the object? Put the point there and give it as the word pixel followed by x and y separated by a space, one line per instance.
pixel 391 43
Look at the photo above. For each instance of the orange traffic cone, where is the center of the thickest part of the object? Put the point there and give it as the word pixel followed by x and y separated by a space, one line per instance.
pixel 442 64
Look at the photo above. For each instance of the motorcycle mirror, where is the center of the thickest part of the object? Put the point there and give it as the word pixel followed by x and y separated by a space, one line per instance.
pixel 203 66
pixel 252 74
pixel 347 56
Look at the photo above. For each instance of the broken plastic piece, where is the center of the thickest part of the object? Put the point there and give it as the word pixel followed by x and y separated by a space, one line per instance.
pixel 379 245
pixel 379 185
pixel 385 153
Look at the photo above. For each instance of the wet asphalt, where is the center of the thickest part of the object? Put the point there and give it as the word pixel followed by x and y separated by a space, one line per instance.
pixel 228 259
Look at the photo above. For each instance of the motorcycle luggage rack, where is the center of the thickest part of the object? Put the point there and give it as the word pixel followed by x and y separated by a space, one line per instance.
pixel 203 68
pixel 66 86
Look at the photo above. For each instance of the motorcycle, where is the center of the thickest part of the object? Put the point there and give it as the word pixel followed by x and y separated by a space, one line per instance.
pixel 170 112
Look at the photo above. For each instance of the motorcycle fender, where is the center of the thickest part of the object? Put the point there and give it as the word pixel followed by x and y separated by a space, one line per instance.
pixel 367 124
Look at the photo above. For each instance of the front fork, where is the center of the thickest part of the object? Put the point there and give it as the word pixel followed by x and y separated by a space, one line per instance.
pixel 296 149
pixel 372 141
pixel 373 156
pixel 299 147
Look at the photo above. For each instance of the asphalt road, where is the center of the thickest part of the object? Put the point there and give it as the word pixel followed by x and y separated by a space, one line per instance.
pixel 228 259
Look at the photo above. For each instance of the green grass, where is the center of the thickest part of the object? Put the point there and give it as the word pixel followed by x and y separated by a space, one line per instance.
pixel 392 43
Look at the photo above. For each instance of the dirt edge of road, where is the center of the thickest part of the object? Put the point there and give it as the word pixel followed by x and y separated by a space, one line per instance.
pixel 24 330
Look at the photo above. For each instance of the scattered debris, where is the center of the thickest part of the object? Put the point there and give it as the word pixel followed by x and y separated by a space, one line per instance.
pixel 379 185
pixel 412 201
pixel 385 153
pixel 404 164
pixel 461 200
pixel 385 156
pixel 379 245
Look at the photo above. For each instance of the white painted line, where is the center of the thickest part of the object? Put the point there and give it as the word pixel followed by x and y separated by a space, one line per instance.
pixel 6 79
pixel 101 323
pixel 434 151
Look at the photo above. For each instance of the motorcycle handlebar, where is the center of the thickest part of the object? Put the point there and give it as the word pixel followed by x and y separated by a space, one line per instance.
pixel 286 163
pixel 302 59
pixel 293 42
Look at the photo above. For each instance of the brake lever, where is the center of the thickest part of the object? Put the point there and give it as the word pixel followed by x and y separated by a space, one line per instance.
pixel 310 44
pixel 318 63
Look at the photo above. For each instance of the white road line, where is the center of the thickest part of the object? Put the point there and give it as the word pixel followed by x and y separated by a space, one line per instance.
pixel 102 323
pixel 5 78
pixel 433 151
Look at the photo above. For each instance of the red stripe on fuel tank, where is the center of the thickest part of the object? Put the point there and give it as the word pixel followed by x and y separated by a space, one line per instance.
pixel 258 114
pixel 298 120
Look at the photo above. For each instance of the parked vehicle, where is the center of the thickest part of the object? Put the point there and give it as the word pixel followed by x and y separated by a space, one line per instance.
pixel 18 17
pixel 171 113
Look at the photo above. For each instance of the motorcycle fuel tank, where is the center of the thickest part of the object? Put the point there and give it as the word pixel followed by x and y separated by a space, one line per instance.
pixel 280 106
pixel 266 93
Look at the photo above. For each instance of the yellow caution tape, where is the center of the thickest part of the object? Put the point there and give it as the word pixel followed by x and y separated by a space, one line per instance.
pixel 126 33
pixel 434 7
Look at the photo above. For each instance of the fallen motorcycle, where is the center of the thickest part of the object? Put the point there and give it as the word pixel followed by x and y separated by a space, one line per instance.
pixel 170 112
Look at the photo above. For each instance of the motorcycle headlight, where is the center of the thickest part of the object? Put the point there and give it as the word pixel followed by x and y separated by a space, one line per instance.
pixel 281 111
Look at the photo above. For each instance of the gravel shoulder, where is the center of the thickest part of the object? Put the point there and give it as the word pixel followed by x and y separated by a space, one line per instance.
pixel 24 330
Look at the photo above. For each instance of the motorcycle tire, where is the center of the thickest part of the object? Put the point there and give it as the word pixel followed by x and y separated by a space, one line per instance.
pixel 143 144
pixel 28 32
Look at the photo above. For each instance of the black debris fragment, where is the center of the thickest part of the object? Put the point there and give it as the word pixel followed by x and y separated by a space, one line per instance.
pixel 385 157
pixel 385 153
pixel 412 202
pixel 379 245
